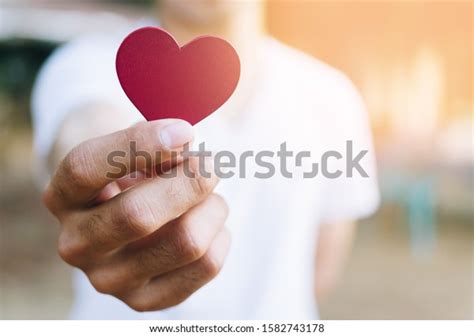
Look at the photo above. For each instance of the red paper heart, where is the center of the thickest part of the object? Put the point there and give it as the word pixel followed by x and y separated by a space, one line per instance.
pixel 165 81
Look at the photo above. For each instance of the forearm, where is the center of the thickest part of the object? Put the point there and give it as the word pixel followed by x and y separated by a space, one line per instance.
pixel 334 245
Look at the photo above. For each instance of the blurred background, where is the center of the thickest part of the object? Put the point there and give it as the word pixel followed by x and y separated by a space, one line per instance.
pixel 412 61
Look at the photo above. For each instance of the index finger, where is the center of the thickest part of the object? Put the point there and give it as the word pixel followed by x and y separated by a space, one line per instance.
pixel 93 164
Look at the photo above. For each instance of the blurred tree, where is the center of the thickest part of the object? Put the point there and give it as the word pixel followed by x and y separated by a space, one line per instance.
pixel 20 61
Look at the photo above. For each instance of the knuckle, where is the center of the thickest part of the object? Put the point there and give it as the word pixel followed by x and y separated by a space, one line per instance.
pixel 210 264
pixel 133 132
pixel 143 303
pixel 102 283
pixel 138 128
pixel 138 133
pixel 176 299
pixel 221 204
pixel 69 250
pixel 49 198
pixel 190 248
pixel 135 216
pixel 76 168
pixel 139 303
pixel 199 184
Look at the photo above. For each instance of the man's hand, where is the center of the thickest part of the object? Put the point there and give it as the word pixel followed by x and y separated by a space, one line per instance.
pixel 150 245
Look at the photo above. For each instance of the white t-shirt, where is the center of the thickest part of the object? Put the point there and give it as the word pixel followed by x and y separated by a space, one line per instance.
pixel 269 272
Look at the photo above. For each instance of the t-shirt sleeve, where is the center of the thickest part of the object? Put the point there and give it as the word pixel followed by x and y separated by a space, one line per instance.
pixel 346 130
pixel 79 73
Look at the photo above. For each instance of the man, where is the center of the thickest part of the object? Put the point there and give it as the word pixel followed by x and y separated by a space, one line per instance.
pixel 160 248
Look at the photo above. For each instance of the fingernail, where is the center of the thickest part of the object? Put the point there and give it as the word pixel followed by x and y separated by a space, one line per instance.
pixel 177 134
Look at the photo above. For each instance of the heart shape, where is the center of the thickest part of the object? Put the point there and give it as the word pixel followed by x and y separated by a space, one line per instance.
pixel 164 80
